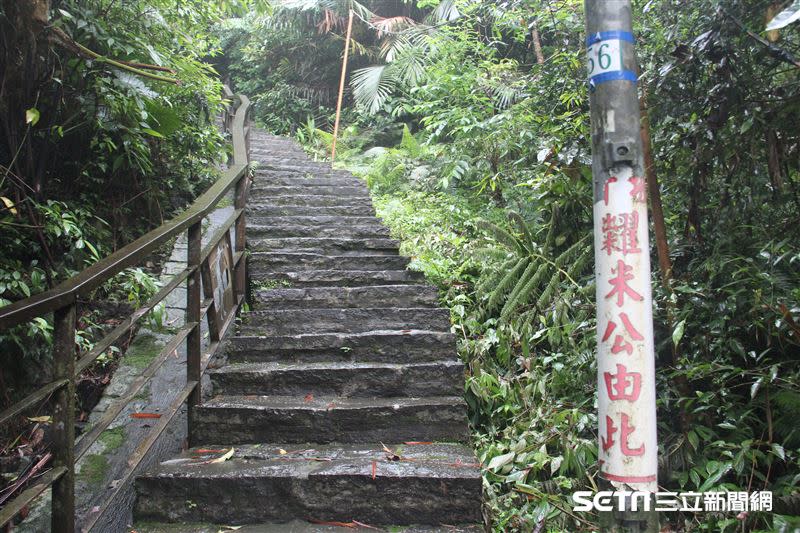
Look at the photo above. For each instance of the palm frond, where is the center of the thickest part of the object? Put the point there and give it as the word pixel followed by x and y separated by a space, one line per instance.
pixel 372 86
pixel 389 25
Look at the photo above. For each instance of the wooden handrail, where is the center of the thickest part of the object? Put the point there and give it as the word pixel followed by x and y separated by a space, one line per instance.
pixel 61 301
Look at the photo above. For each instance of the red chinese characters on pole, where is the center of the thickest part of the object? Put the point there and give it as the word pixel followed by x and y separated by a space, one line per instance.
pixel 627 429
pixel 620 283
pixel 627 432
pixel 620 233
pixel 620 343
pixel 623 385
pixel 637 192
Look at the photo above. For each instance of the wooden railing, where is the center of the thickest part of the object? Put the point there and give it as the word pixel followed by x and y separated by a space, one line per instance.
pixel 220 265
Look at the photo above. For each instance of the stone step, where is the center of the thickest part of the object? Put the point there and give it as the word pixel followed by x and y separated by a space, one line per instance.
pixel 323 419
pixel 348 320
pixel 292 180
pixel 428 484
pixel 314 200
pixel 342 278
pixel 301 230
pixel 297 165
pixel 276 154
pixel 302 526
pixel 394 346
pixel 340 297
pixel 306 210
pixel 341 378
pixel 327 245
pixel 299 168
pixel 260 263
pixel 338 191
pixel 312 220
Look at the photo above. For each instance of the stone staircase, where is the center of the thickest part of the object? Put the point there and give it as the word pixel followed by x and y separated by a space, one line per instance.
pixel 341 393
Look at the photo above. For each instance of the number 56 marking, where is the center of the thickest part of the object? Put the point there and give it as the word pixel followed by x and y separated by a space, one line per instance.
pixel 604 56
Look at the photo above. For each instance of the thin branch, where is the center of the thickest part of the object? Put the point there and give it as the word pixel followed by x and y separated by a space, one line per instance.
pixel 64 40
pixel 774 51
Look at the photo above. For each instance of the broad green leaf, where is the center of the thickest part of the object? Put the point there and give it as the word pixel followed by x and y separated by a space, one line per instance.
pixel 785 17
pixel 677 333
pixel 500 460
pixel 32 116
pixel 778 450
pixel 154 133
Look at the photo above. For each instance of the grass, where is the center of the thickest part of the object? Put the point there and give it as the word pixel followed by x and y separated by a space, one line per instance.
pixel 112 439
pixel 93 470
pixel 142 351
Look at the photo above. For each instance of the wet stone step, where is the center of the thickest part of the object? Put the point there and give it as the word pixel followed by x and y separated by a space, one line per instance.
pixel 341 278
pixel 396 346
pixel 341 297
pixel 347 191
pixel 290 180
pixel 324 419
pixel 305 210
pixel 302 230
pixel 350 320
pixel 341 378
pixel 312 220
pixel 325 245
pixel 315 200
pixel 261 263
pixel 302 526
pixel 428 484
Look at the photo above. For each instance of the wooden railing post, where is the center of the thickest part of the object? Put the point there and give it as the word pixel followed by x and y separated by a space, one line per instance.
pixel 240 272
pixel 63 509
pixel 193 304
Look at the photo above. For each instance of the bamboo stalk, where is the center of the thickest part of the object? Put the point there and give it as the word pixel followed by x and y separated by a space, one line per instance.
pixel 341 86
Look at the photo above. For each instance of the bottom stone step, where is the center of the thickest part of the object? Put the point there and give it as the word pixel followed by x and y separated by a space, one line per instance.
pixel 432 484
pixel 298 526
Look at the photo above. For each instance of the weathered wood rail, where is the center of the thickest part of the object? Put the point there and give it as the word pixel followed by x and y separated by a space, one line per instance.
pixel 220 265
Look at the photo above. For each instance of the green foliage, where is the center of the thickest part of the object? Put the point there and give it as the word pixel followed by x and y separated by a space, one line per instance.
pixel 93 154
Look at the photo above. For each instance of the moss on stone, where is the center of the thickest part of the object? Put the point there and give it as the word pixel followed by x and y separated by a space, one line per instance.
pixel 94 469
pixel 112 439
pixel 142 351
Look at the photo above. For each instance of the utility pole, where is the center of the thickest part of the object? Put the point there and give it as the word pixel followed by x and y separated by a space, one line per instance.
pixel 341 85
pixel 628 448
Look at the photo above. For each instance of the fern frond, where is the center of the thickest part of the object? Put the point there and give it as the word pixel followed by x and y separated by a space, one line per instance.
pixel 524 284
pixel 527 237
pixel 506 283
pixel 501 235
pixel 546 298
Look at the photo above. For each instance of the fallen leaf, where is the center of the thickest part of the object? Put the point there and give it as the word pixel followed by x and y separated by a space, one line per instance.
pixel 367 526
pixel 417 442
pixel 9 205
pixel 145 415
pixel 351 525
pixel 390 454
pixel 282 451
pixel 309 398
pixel 41 419
pixel 374 468
pixel 405 331
pixel 223 458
